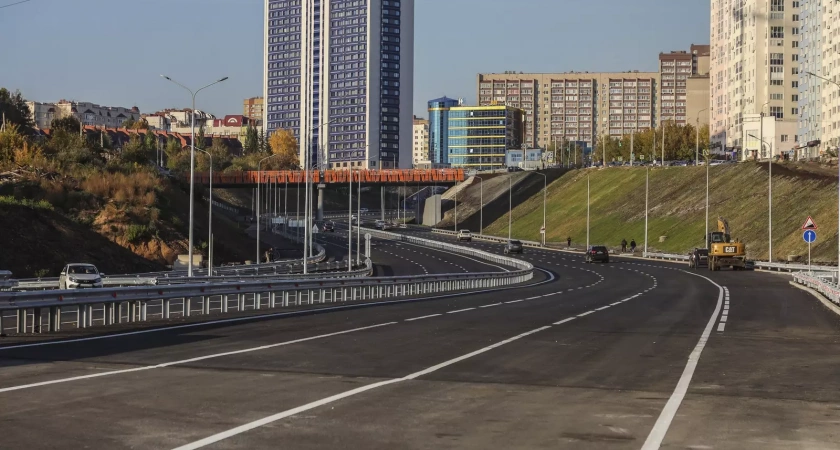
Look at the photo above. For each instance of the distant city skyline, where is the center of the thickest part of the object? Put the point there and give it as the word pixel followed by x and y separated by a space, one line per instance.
pixel 120 60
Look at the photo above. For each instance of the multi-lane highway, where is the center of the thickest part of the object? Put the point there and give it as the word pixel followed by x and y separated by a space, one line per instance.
pixel 632 354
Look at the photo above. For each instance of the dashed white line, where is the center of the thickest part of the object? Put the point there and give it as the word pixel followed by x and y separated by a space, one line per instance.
pixel 603 308
pixel 423 317
pixel 460 310
pixel 721 326
pixel 488 306
pixel 514 301
pixel 585 314
pixel 565 320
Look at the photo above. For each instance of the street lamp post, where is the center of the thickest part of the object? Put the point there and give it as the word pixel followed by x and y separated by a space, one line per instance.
pixel 697 143
pixel 510 205
pixel 545 187
pixel 259 221
pixel 647 197
pixel 838 175
pixel 192 164
pixel 210 219
pixel 481 208
pixel 350 219
pixel 769 196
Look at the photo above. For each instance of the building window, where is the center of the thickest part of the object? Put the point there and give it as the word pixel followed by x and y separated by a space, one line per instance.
pixel 778 5
pixel 794 84
pixel 794 97
pixel 795 57
pixel 795 44
pixel 777 112
pixel 794 111
pixel 784 138
pixel 777 32
pixel 795 31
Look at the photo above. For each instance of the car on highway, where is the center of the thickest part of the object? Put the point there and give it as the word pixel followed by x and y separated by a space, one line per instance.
pixel 699 257
pixel 363 210
pixel 597 253
pixel 464 235
pixel 379 224
pixel 513 246
pixel 79 276
pixel 329 226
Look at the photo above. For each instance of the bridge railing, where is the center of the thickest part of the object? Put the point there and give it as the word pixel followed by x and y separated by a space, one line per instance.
pixel 332 176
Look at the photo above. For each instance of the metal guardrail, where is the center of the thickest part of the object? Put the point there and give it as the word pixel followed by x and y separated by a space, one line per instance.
pixel 821 283
pixel 110 306
pixel 155 278
pixel 764 265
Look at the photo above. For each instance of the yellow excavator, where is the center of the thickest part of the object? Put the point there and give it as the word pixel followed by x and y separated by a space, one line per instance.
pixel 723 251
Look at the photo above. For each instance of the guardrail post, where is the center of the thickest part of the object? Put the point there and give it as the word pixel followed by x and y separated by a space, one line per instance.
pixel 257 300
pixel 205 304
pixel 36 320
pixel 21 320
pixel 144 306
pixel 240 302
pixel 166 308
pixel 187 305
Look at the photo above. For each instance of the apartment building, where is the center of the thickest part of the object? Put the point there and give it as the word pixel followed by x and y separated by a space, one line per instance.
pixel 439 128
pixel 574 106
pixel 420 148
pixel 755 49
pixel 86 112
pixel 811 126
pixel 684 92
pixel 253 108
pixel 339 74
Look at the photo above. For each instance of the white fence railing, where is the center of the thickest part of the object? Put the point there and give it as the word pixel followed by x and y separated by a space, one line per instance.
pixel 821 282
pixel 46 311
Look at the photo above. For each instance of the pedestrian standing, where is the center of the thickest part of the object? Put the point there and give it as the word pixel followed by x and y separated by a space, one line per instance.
pixel 632 246
pixel 568 241
pixel 624 246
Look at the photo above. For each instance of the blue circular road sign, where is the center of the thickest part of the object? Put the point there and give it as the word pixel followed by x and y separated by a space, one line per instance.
pixel 809 236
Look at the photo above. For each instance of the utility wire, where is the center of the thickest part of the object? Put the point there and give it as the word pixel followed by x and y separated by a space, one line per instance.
pixel 13 4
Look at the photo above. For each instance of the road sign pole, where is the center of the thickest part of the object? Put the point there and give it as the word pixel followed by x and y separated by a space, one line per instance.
pixel 809 258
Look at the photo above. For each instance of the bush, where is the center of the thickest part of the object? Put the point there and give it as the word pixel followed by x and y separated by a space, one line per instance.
pixel 136 233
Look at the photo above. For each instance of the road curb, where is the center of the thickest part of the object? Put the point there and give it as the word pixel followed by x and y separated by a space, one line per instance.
pixel 828 304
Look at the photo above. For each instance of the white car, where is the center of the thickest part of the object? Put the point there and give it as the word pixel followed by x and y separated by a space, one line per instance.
pixel 464 235
pixel 379 224
pixel 79 276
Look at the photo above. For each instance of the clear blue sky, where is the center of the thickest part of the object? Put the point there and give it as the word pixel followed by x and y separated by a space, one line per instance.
pixel 112 52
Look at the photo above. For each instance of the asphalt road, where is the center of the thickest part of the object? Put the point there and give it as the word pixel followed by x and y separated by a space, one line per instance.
pixel 588 357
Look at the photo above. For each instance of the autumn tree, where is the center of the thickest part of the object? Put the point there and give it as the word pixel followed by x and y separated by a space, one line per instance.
pixel 251 140
pixel 284 144
pixel 69 124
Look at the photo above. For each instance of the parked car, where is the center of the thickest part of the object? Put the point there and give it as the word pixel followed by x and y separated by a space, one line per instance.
pixel 597 253
pixel 79 276
pixel 329 226
pixel 699 257
pixel 513 246
pixel 464 235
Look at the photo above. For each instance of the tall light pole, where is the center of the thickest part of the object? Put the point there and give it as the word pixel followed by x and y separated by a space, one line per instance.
pixel 545 189
pixel 510 204
pixel 697 143
pixel 769 199
pixel 350 221
pixel 359 219
pixel 587 212
pixel 456 206
pixel 210 219
pixel 707 199
pixel 481 200
pixel 838 186
pixel 259 221
pixel 192 164
pixel 647 199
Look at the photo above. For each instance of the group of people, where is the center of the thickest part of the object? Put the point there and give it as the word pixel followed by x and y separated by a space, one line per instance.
pixel 632 245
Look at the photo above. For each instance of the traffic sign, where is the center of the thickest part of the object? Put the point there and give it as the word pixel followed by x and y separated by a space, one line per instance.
pixel 809 236
pixel 809 224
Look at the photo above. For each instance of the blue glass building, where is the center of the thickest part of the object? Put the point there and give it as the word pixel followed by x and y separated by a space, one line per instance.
pixel 439 128
pixel 339 74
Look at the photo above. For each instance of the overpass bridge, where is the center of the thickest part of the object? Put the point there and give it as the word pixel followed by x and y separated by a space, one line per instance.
pixel 395 177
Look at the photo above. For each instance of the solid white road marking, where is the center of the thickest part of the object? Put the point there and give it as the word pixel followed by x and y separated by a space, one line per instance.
pixel 267 420
pixel 185 361
pixel 660 428
pixel 423 317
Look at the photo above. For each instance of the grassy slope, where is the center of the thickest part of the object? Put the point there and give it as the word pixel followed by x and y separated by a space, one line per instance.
pixel 677 208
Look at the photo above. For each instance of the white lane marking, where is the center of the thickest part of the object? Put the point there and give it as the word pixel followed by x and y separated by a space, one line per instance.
pixel 487 306
pixel 185 361
pixel 723 318
pixel 532 298
pixel 422 317
pixel 585 314
pixel 721 326
pixel 514 301
pixel 603 308
pixel 613 304
pixel 273 418
pixel 660 428
pixel 565 320
pixel 460 310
